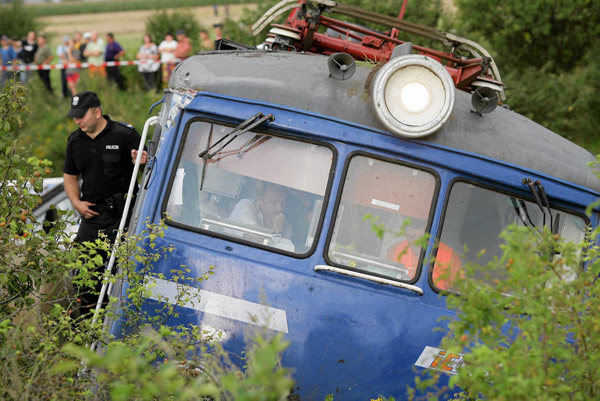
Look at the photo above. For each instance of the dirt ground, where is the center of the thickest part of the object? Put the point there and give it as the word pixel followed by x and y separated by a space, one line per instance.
pixel 129 23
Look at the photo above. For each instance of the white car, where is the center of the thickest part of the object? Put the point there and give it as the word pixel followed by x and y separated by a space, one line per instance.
pixel 53 194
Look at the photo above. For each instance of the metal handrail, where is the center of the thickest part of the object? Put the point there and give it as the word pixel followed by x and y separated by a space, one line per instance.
pixel 379 280
pixel 106 287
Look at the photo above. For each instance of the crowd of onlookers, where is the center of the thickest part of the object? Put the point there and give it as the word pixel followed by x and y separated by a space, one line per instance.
pixel 155 61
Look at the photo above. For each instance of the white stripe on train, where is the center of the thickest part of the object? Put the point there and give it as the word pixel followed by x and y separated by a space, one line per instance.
pixel 221 305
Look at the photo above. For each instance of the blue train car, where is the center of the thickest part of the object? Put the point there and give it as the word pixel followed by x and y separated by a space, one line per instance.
pixel 306 193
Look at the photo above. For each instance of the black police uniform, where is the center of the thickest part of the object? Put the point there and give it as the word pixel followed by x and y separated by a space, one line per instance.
pixel 104 163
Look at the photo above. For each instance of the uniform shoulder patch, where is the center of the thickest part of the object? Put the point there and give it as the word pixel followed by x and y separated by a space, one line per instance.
pixel 125 125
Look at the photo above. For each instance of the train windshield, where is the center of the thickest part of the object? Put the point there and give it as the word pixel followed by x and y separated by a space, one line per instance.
pixel 258 188
pixel 383 210
pixel 475 217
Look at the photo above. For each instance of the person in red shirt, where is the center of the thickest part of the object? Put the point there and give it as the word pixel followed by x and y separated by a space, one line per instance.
pixel 184 48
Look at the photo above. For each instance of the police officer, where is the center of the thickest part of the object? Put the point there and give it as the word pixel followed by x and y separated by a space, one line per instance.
pixel 102 153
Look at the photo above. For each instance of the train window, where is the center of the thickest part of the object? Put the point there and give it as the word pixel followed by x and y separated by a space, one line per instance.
pixel 384 208
pixel 473 221
pixel 257 188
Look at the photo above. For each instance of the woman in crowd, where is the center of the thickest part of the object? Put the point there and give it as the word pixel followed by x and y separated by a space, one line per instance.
pixel 149 62
pixel 167 56
pixel 73 55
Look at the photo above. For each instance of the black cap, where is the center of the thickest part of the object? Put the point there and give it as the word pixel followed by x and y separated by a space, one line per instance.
pixel 180 32
pixel 81 102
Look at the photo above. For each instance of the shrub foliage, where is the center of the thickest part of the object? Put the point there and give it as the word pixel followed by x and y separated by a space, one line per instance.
pixel 45 337
pixel 162 22
pixel 16 20
pixel 528 334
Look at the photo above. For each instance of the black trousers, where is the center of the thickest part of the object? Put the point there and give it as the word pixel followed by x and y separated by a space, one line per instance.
pixel 114 74
pixel 45 77
pixel 89 229
pixel 150 80
pixel 63 83
pixel 107 222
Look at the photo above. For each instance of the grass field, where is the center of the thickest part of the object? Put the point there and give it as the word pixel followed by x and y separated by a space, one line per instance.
pixel 70 7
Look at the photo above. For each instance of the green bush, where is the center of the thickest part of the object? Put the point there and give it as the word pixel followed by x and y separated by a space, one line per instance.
pixel 548 56
pixel 561 101
pixel 534 33
pixel 16 20
pixel 36 297
pixel 162 22
pixel 45 343
pixel 528 335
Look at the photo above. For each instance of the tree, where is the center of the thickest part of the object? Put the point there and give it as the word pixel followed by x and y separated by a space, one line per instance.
pixel 548 55
pixel 16 20
pixel 162 22
pixel 534 33
pixel 565 101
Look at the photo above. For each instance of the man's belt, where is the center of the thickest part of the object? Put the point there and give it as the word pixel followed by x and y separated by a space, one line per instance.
pixel 114 203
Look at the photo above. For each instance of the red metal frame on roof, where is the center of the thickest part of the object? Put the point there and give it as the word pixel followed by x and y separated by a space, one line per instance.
pixel 366 44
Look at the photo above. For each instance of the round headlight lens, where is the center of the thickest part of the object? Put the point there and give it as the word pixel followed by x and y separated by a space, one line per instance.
pixel 413 95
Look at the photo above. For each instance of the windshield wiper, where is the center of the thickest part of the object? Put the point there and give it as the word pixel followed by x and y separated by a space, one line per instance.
pixel 539 194
pixel 252 122
pixel 255 140
pixel 554 221
pixel 246 126
pixel 521 210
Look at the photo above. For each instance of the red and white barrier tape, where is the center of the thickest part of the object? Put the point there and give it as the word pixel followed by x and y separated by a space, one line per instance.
pixel 33 67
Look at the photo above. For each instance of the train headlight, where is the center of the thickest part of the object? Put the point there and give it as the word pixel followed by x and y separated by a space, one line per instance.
pixel 413 95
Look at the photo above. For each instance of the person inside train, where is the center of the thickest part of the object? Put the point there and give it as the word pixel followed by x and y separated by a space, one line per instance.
pixel 264 211
pixel 447 264
pixel 298 211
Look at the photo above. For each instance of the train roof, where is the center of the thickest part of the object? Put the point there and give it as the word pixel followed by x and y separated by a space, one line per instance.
pixel 302 81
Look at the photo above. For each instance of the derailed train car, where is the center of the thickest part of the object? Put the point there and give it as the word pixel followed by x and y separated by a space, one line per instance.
pixel 305 178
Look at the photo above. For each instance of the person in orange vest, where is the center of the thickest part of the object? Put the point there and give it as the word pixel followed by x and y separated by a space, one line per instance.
pixel 447 265
pixel 406 253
